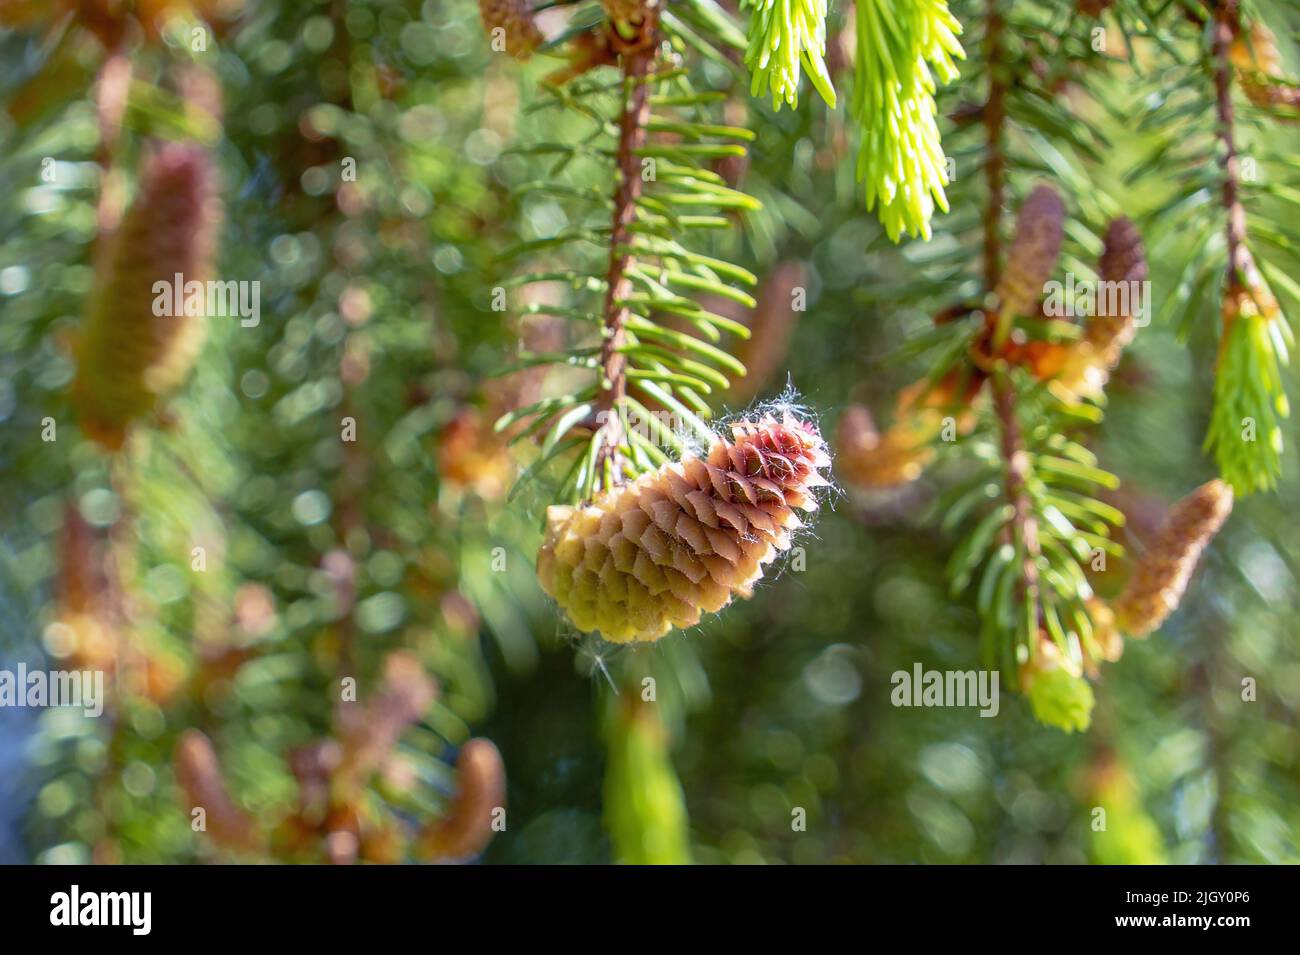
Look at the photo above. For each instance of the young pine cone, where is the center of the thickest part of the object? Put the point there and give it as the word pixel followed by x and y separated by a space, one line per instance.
pixel 199 776
pixel 677 542
pixel 515 21
pixel 1032 256
pixel 1084 367
pixel 127 355
pixel 1162 574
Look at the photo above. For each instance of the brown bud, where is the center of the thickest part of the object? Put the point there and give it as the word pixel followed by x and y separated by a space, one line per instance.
pixel 1162 573
pixel 480 791
pixel 199 776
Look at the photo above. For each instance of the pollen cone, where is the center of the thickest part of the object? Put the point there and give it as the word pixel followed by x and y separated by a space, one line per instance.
pixel 1157 585
pixel 1032 256
pixel 127 355
pixel 657 553
pixel 1087 364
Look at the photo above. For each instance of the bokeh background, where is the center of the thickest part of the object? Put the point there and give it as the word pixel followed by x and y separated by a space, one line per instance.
pixel 325 557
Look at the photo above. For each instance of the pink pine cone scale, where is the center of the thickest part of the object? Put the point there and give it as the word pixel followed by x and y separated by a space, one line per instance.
pixel 683 540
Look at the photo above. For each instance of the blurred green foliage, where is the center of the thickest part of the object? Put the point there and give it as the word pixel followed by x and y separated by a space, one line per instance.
pixel 323 556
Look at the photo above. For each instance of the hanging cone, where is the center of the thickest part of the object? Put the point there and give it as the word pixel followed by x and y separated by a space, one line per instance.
pixel 1084 367
pixel 677 542
pixel 515 20
pixel 127 356
pixel 1032 257
pixel 1122 261
pixel 1161 577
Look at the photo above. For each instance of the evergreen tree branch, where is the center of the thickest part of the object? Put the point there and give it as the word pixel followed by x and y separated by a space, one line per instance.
pixel 638 64
pixel 1022 529
pixel 1240 265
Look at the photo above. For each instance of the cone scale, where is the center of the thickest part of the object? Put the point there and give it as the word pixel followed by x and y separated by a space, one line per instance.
pixel 685 539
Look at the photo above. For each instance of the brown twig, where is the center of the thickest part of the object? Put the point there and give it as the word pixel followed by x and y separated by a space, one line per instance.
pixel 1023 526
pixel 638 60
pixel 1240 265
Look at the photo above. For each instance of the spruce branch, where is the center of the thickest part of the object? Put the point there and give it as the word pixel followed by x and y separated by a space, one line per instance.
pixel 1241 267
pixel 1249 397
pixel 1022 528
pixel 659 346
pixel 638 61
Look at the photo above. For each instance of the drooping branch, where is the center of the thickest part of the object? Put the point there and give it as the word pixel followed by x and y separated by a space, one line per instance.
pixel 638 59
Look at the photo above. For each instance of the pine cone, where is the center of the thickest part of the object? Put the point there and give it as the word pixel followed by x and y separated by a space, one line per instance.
pixel 1156 587
pixel 1085 366
pixel 1032 257
pixel 128 357
pixel 658 552
pixel 1122 260
pixel 516 21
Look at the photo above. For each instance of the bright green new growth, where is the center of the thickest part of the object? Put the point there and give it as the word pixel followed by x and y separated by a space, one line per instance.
pixel 1249 402
pixel 782 33
pixel 901 159
pixel 1062 699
